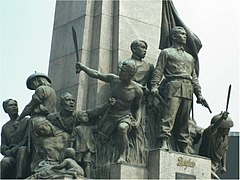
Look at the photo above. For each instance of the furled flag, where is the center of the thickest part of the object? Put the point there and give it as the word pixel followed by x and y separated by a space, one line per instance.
pixel 170 19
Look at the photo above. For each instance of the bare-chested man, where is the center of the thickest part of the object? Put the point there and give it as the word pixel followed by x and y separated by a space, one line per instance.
pixel 126 113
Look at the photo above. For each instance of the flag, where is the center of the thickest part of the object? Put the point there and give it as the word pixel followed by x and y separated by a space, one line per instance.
pixel 170 19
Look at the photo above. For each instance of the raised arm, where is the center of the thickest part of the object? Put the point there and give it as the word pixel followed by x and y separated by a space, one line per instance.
pixel 37 98
pixel 94 73
pixel 99 110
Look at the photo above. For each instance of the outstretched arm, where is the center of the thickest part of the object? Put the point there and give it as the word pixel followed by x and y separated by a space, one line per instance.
pixel 60 166
pixel 94 73
pixel 29 107
pixel 99 110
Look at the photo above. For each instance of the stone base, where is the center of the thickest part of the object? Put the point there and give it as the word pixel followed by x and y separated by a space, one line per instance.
pixel 174 165
pixel 127 171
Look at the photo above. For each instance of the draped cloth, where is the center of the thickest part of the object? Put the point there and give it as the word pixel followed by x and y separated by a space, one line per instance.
pixel 170 19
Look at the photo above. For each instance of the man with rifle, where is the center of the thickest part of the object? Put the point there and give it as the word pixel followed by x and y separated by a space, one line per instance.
pixel 178 69
pixel 215 140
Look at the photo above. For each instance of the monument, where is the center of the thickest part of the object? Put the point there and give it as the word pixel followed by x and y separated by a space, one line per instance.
pixel 141 130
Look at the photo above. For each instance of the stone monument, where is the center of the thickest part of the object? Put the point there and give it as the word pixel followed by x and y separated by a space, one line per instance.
pixel 105 30
pixel 109 141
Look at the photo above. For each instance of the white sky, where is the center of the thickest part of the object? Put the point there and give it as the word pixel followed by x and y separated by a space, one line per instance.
pixel 26 32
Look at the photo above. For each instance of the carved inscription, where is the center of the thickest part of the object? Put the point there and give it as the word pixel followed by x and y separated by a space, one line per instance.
pixel 186 162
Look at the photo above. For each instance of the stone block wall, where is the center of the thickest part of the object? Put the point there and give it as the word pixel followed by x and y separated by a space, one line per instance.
pixel 105 30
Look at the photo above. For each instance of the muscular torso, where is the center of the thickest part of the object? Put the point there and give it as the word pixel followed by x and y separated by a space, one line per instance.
pixel 124 95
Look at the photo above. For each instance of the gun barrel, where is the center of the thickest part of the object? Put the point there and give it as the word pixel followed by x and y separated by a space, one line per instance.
pixel 209 109
pixel 228 97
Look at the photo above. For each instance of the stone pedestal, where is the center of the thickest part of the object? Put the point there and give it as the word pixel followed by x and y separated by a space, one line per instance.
pixel 175 165
pixel 127 171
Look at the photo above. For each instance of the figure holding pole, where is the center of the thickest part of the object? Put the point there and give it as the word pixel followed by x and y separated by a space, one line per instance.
pixel 215 139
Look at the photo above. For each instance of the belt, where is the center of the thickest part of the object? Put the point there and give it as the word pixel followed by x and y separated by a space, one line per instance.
pixel 185 80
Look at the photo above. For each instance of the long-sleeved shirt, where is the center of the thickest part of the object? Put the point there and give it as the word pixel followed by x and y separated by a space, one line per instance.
pixel 144 70
pixel 175 63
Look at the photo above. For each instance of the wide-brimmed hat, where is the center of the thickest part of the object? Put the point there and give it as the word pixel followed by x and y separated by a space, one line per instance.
pixel 226 123
pixel 33 76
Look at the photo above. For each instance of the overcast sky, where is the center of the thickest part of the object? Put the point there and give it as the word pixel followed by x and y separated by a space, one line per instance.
pixel 26 32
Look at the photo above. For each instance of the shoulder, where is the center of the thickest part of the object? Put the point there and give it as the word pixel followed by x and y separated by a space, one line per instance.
pixel 25 120
pixel 128 60
pixel 207 131
pixel 53 116
pixel 6 125
pixel 138 89
pixel 189 56
pixel 80 114
pixel 165 52
pixel 168 50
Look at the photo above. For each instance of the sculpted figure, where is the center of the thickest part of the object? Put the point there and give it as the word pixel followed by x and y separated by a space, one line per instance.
pixel 43 100
pixel 82 140
pixel 42 103
pixel 215 142
pixel 143 76
pixel 177 67
pixel 125 113
pixel 50 142
pixel 69 165
pixel 144 69
pixel 78 125
pixel 68 118
pixel 13 143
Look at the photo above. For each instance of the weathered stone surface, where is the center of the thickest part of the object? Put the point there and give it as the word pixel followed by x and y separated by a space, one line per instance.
pixel 105 30
pixel 127 171
pixel 166 165
pixel 146 11
pixel 67 11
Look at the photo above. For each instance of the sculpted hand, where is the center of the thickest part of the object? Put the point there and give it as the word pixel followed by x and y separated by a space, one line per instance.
pixel 200 100
pixel 111 101
pixel 78 67
pixel 154 91
pixel 203 102
pixel 223 170
pixel 135 122
pixel 8 153
pixel 225 115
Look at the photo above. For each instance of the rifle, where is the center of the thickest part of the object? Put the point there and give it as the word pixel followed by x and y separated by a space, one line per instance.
pixel 144 88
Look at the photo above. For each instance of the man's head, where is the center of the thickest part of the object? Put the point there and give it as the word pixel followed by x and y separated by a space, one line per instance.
pixel 225 125
pixel 10 106
pixel 139 48
pixel 178 35
pixel 127 71
pixel 67 102
pixel 37 79
pixel 70 153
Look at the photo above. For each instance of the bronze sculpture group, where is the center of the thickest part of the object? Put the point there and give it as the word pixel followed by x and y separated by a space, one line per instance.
pixel 70 142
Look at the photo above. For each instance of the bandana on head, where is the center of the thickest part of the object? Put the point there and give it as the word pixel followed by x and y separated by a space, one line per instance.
pixel 129 67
